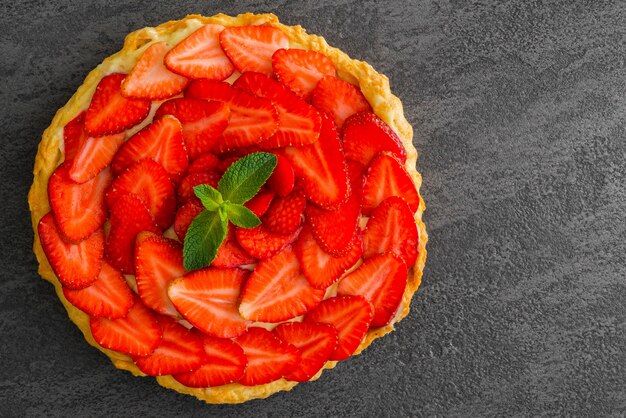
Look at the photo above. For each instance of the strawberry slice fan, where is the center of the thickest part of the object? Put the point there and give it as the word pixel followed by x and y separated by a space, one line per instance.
pixel 230 205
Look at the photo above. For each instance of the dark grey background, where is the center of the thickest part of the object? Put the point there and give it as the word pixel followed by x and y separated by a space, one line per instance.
pixel 519 116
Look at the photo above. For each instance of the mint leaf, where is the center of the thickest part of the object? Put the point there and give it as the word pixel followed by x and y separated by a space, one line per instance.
pixel 244 177
pixel 242 216
pixel 204 236
pixel 210 197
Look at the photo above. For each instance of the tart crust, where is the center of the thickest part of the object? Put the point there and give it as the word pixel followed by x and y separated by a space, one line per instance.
pixel 374 86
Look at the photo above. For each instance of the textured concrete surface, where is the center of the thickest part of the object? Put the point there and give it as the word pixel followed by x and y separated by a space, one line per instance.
pixel 519 112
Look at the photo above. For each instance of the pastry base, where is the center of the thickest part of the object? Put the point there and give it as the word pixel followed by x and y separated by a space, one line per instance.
pixel 374 86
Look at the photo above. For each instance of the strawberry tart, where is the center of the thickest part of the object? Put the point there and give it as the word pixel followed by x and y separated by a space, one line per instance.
pixel 230 205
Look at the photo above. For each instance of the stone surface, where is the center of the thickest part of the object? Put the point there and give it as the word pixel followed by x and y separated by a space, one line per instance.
pixel 519 114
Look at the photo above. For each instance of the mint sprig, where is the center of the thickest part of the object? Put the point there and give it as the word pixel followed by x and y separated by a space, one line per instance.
pixel 240 183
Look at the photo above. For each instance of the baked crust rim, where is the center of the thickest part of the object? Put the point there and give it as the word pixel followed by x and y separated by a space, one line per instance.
pixel 375 87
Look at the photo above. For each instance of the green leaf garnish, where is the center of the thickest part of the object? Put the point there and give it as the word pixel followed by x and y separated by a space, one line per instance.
pixel 240 183
pixel 204 236
pixel 244 177
pixel 242 216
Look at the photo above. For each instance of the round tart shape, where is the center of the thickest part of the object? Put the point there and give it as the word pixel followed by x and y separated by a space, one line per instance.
pixel 349 290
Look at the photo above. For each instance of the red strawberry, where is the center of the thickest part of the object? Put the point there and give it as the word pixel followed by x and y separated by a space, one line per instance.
pixel 252 119
pixel 109 296
pixel 334 229
pixel 202 122
pixel 316 343
pixel 137 334
pixel 185 190
pixel 78 208
pixel 109 112
pixel 230 254
pixel 387 177
pixel 129 217
pixel 391 228
pixel 250 48
pixel 94 155
pixel 298 122
pixel 73 136
pixel 147 180
pixel 150 79
pixel 205 162
pixel 269 358
pixel 225 363
pixel 277 290
pixel 200 55
pixel 364 135
pixel 320 268
pixel 158 261
pixel 76 265
pixel 208 298
pixel 321 167
pixel 300 70
pixel 339 99
pixel 285 214
pixel 260 203
pixel 350 315
pixel 185 216
pixel 283 177
pixel 161 141
pixel 180 351
pixel 261 243
pixel 381 279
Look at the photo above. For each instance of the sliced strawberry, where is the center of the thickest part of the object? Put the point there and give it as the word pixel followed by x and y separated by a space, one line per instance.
pixel 320 268
pixel 339 99
pixel 185 190
pixel 391 228
pixel 364 135
pixel 387 177
pixel 137 334
pixel 158 261
pixel 109 112
pixel 161 141
pixel 261 243
pixel 269 358
pixel 200 55
pixel 78 207
pixel 227 161
pixel 208 299
pixel 185 216
pixel 94 155
pixel 147 180
pixel 202 122
pixel 277 290
pixel 205 162
pixel 285 214
pixel 283 177
pixel 180 351
pixel 73 136
pixel 76 265
pixel 334 229
pixel 150 79
pixel 260 203
pixel 129 217
pixel 298 122
pixel 250 48
pixel 252 119
pixel 230 254
pixel 300 70
pixel 109 296
pixel 316 343
pixel 321 167
pixel 381 279
pixel 350 315
pixel 225 363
